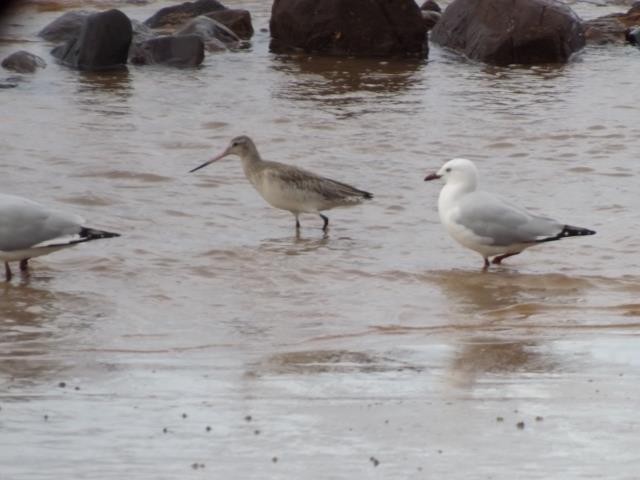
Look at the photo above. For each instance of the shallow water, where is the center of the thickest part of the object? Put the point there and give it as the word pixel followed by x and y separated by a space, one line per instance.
pixel 380 349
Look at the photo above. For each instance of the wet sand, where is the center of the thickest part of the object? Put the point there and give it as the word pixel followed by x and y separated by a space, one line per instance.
pixel 211 342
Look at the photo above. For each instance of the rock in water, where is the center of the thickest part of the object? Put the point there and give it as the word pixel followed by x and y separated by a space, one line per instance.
pixel 612 28
pixel 236 20
pixel 503 32
pixel 178 14
pixel 214 34
pixel 66 27
pixel 103 42
pixel 177 51
pixel 23 62
pixel 348 27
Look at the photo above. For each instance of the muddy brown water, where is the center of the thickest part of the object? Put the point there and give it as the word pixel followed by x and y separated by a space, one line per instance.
pixel 210 342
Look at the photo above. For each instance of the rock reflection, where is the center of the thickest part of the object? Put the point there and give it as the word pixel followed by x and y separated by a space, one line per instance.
pixel 336 83
pixel 117 81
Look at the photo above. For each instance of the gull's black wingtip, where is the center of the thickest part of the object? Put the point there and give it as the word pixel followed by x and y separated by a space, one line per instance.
pixel 93 234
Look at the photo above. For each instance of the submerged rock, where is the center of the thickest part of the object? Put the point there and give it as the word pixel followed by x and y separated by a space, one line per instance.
pixel 103 42
pixel 214 34
pixel 23 62
pixel 633 36
pixel 503 32
pixel 612 28
pixel 431 6
pixel 178 14
pixel 430 18
pixel 354 27
pixel 236 20
pixel 177 51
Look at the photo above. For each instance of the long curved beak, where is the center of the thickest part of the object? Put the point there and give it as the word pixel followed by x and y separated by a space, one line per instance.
pixel 209 162
pixel 432 176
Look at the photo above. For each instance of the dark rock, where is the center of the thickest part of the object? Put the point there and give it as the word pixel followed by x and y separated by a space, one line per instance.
pixel 431 5
pixel 214 34
pixel 612 28
pixel 354 27
pixel 23 62
pixel 177 51
pixel 503 32
pixel 633 36
pixel 430 18
pixel 178 14
pixel 102 43
pixel 236 20
pixel 66 27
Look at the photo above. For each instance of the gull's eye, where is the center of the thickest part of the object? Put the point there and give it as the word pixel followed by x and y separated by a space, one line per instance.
pixel 447 169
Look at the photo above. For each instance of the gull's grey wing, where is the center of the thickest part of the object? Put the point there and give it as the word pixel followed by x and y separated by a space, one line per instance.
pixel 300 179
pixel 501 223
pixel 24 223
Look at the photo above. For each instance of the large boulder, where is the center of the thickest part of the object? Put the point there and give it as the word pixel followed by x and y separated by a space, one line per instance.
pixel 214 35
pixel 503 32
pixel 178 14
pixel 236 20
pixel 348 27
pixel 612 28
pixel 177 51
pixel 103 42
pixel 66 27
pixel 23 62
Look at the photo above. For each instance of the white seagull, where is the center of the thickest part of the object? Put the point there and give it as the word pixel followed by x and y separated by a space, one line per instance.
pixel 28 229
pixel 489 224
pixel 290 188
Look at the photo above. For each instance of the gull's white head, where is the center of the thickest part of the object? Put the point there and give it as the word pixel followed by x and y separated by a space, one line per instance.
pixel 458 170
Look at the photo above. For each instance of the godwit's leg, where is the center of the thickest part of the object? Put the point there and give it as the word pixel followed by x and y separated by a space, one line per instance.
pixel 24 265
pixel 498 260
pixel 297 222
pixel 7 271
pixel 325 219
pixel 486 264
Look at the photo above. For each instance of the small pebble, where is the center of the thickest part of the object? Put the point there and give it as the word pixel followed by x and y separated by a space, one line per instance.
pixel 76 388
pixel 375 461
pixel 196 466
pixel 520 425
pixel 248 418
pixel 165 430
pixel 208 428
pixel 184 415
pixel 274 459
pixel 46 417
pixel 499 419
pixel 539 418
pixel 62 384
pixel 256 432
pixel 440 451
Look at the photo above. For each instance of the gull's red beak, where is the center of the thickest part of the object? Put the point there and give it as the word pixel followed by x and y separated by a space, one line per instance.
pixel 432 176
